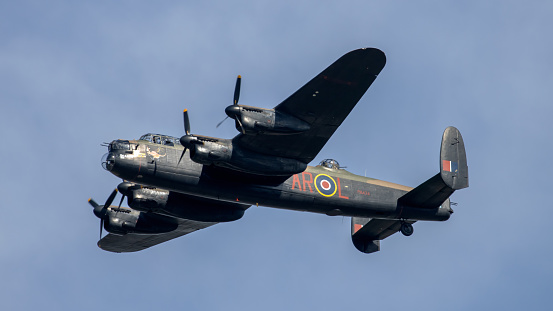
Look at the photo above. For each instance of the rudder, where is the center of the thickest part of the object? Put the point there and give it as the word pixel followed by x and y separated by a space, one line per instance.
pixel 453 160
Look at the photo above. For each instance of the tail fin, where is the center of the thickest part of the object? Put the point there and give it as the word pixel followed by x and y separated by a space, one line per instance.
pixel 453 174
pixel 453 160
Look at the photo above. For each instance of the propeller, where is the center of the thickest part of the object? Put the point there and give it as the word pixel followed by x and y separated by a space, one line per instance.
pixel 186 132
pixel 188 141
pixel 125 188
pixel 233 111
pixel 101 211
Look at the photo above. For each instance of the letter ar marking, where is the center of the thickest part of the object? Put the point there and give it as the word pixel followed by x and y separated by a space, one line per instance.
pixel 308 181
pixel 340 190
pixel 296 179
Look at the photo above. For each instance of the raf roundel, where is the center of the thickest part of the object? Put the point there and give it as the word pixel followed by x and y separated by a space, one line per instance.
pixel 325 185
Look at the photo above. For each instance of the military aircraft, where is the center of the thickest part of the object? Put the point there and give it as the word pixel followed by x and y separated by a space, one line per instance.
pixel 176 185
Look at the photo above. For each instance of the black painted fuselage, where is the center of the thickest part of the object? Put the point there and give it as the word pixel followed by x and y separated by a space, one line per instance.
pixel 317 189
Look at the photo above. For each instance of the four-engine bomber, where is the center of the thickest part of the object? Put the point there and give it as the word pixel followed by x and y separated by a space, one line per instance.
pixel 175 186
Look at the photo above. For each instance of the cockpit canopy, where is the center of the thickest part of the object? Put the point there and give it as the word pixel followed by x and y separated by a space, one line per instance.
pixel 161 139
pixel 330 163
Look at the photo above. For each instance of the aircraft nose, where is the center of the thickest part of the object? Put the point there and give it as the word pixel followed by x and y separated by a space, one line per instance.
pixel 108 161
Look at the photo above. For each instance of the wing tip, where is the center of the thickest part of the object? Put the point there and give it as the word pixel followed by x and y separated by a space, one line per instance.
pixel 374 59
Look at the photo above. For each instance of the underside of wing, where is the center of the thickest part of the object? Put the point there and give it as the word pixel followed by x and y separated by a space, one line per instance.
pixel 132 242
pixel 323 103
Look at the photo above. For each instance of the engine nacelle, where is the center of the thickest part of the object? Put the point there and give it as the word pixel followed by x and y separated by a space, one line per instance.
pixel 211 151
pixel 125 220
pixel 184 206
pixel 147 199
pixel 222 152
pixel 253 120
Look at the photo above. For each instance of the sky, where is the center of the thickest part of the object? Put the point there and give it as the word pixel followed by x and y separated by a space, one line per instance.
pixel 75 74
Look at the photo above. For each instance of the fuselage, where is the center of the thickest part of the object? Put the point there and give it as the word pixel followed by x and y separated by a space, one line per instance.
pixel 318 189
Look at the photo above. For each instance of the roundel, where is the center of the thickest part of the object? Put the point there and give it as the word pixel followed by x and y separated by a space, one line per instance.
pixel 325 185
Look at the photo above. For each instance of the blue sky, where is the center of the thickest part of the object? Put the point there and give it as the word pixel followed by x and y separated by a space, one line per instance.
pixel 76 74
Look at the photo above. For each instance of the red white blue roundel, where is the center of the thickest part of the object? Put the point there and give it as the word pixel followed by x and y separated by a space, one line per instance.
pixel 325 185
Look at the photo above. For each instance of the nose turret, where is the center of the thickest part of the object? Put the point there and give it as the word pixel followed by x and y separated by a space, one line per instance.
pixel 124 158
pixel 116 146
pixel 108 161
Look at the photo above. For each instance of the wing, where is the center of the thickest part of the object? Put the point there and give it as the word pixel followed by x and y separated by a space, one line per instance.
pixel 136 242
pixel 324 103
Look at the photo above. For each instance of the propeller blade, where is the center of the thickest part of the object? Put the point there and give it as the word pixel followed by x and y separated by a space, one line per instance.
pixel 110 198
pixel 121 202
pixel 182 155
pixel 119 206
pixel 98 209
pixel 186 122
pixel 222 122
pixel 237 90
pixel 101 227
pixel 241 127
pixel 93 203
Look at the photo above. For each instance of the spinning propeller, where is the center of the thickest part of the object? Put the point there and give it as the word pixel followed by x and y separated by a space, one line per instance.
pixel 233 111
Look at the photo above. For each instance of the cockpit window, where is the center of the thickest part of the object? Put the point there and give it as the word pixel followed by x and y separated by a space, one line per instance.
pixel 330 163
pixel 161 139
pixel 146 137
pixel 168 141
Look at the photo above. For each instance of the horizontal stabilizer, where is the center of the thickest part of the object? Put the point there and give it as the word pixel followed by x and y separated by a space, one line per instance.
pixel 430 194
pixel 366 233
